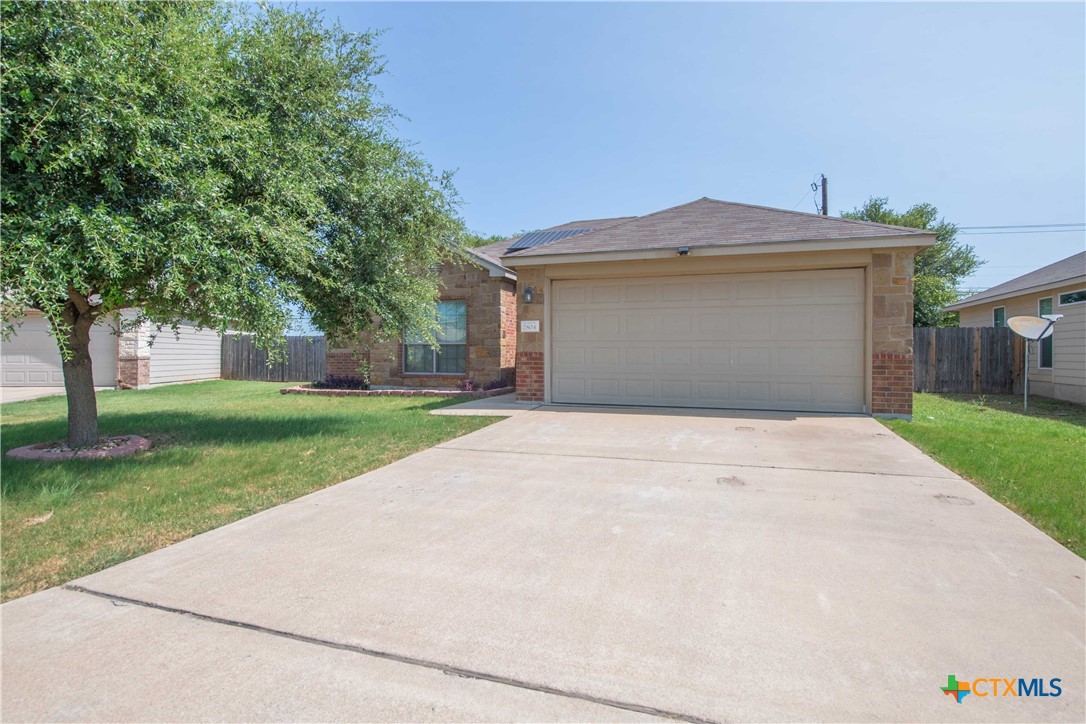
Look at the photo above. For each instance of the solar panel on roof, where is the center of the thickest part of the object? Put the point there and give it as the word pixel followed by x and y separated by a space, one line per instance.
pixel 539 238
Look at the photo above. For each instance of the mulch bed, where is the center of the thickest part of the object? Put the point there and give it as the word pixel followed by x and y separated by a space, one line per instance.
pixel 400 392
pixel 108 447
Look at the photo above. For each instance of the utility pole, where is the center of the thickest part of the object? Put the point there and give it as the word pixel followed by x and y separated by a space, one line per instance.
pixel 825 198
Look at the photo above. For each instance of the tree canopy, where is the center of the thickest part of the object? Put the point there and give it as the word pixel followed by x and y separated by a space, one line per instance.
pixel 939 268
pixel 208 162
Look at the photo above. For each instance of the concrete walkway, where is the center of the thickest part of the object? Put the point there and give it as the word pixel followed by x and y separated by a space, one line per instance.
pixel 582 564
pixel 499 406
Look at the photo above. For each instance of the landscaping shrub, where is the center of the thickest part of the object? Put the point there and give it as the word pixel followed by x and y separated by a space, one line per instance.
pixel 496 384
pixel 341 382
pixel 468 386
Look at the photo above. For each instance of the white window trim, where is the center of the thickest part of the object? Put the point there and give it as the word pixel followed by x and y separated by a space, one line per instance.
pixel 1004 308
pixel 1040 342
pixel 1059 302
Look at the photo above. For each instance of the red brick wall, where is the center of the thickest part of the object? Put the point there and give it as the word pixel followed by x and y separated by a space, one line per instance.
pixel 530 376
pixel 892 384
pixel 343 362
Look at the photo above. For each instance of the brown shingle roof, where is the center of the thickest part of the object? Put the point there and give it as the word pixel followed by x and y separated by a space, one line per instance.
pixel 494 251
pixel 1052 275
pixel 708 222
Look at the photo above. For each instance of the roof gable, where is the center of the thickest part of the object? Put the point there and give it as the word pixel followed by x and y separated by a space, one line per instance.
pixel 1053 275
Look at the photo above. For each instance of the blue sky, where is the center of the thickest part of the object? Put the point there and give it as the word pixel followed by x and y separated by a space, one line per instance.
pixel 556 112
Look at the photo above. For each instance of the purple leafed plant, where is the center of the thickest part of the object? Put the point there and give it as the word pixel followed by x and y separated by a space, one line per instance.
pixel 341 382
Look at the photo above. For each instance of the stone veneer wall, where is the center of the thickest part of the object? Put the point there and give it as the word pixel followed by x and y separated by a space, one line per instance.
pixel 491 338
pixel 892 339
pixel 530 345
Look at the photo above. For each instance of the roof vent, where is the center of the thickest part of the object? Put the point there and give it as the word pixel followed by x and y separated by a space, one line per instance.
pixel 539 238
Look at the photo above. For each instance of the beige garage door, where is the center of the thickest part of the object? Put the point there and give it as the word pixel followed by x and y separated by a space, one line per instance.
pixel 782 341
pixel 31 357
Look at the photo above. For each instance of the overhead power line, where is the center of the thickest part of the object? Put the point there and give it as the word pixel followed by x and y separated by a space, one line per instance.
pixel 1022 226
pixel 1025 231
pixel 1075 227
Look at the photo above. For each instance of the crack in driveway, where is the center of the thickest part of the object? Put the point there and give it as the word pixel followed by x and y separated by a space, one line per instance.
pixel 538 453
pixel 408 660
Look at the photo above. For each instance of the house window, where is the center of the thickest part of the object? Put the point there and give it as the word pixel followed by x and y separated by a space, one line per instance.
pixel 1044 361
pixel 999 317
pixel 1073 297
pixel 450 358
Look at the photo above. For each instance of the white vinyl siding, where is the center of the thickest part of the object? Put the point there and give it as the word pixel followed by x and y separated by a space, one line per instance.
pixel 195 355
pixel 31 358
pixel 773 341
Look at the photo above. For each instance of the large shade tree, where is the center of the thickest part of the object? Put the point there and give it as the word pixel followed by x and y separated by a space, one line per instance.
pixel 205 162
pixel 939 268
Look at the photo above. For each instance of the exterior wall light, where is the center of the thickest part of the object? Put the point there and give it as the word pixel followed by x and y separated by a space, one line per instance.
pixel 527 295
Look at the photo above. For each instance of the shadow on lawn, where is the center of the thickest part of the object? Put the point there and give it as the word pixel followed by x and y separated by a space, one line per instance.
pixel 169 429
pixel 1039 407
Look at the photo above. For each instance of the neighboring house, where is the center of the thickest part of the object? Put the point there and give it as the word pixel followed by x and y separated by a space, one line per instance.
pixel 477 317
pixel 708 304
pixel 30 358
pixel 1058 364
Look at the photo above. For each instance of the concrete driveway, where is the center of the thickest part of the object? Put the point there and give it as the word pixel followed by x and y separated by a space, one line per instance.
pixel 582 564
pixel 21 394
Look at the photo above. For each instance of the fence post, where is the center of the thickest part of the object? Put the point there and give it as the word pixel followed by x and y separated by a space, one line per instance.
pixel 932 351
pixel 976 359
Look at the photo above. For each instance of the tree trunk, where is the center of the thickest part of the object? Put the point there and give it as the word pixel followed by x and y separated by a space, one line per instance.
pixel 79 382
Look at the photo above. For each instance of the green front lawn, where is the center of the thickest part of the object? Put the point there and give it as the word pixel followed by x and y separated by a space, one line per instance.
pixel 1034 463
pixel 223 450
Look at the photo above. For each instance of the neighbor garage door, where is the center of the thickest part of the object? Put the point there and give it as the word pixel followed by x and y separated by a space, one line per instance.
pixel 781 341
pixel 31 358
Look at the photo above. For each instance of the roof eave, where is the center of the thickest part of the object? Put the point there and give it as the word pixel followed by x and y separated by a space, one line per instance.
pixel 763 247
pixel 496 270
pixel 1047 286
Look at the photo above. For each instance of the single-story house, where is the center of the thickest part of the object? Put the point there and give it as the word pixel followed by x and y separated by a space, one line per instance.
pixel 1058 363
pixel 30 358
pixel 708 304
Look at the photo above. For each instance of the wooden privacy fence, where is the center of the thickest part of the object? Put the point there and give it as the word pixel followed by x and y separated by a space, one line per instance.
pixel 984 360
pixel 304 360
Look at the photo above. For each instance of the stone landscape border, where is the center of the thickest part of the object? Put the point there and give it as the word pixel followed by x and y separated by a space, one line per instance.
pixel 49 452
pixel 397 392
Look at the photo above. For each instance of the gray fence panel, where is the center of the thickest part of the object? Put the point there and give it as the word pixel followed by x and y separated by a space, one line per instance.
pixel 983 360
pixel 304 359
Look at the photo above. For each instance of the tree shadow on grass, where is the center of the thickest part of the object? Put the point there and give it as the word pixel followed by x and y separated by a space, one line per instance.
pixel 1039 407
pixel 171 428
pixel 183 435
pixel 182 438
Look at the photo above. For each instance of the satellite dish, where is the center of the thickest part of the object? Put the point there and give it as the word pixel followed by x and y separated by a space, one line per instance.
pixel 1031 327
pixel 1034 329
